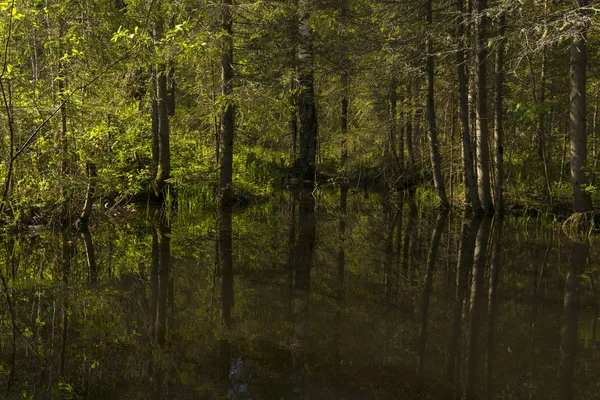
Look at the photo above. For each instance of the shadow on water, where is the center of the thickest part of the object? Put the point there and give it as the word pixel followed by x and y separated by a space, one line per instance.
pixel 314 296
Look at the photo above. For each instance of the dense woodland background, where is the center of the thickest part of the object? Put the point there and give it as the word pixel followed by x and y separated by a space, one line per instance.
pixel 471 98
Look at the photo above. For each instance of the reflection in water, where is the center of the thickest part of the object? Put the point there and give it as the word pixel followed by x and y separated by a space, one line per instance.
pixel 67 250
pixel 492 297
pixel 476 304
pixel 409 236
pixel 303 258
pixel 432 256
pixel 317 329
pixel 570 319
pixel 159 279
pixel 468 237
pixel 161 272
pixel 341 267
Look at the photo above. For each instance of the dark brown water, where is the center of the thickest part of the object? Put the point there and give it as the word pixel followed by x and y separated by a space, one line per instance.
pixel 333 297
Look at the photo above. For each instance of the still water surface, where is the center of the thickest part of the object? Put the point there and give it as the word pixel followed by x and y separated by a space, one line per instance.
pixel 333 296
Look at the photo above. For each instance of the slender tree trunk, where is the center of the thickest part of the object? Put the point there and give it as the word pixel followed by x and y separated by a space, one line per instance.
pixel 82 222
pixel 155 129
pixel 171 84
pixel 293 121
pixel 344 116
pixel 306 99
pixel 401 138
pixel 499 119
pixel 164 152
pixel 436 163
pixel 471 62
pixel 163 169
pixel 228 112
pixel 578 133
pixel 90 256
pixel 409 142
pixel 483 151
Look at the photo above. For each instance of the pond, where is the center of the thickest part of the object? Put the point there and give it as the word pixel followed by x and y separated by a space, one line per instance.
pixel 325 295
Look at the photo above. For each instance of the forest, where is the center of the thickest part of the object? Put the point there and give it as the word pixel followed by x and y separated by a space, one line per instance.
pixel 309 199
pixel 482 103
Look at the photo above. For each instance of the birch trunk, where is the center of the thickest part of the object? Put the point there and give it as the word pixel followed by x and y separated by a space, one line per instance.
pixel 483 151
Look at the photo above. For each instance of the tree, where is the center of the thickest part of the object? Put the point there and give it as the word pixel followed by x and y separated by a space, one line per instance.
pixel 433 132
pixel 467 150
pixel 483 152
pixel 582 201
pixel 499 117
pixel 306 97
pixel 228 113
pixel 161 92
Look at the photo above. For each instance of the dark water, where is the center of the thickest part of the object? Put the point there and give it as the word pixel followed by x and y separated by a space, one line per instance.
pixel 333 297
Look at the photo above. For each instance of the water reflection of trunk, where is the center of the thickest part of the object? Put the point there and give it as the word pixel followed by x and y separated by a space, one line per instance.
pixel 410 233
pixel 160 284
pixel 90 256
pixel 303 256
pixel 390 221
pixel 468 237
pixel 291 246
pixel 492 300
pixel 228 370
pixel 66 257
pixel 476 303
pixel 570 318
pixel 159 279
pixel 341 266
pixel 431 261
pixel 398 249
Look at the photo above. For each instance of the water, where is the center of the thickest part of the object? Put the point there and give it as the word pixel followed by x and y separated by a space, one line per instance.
pixel 338 297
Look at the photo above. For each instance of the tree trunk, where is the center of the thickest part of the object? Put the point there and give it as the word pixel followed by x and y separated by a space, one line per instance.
pixel 344 117
pixel 228 112
pixel 163 169
pixel 498 126
pixel 483 151
pixel 401 136
pixel 306 98
pixel 164 153
pixel 581 199
pixel 155 129
pixel 84 218
pixel 434 151
pixel 293 121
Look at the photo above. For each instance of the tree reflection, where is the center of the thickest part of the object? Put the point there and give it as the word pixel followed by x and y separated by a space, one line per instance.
pixel 570 319
pixel 303 257
pixel 476 305
pixel 492 297
pixel 468 237
pixel 431 263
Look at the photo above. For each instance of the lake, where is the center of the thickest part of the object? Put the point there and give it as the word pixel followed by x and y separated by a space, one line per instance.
pixel 325 295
